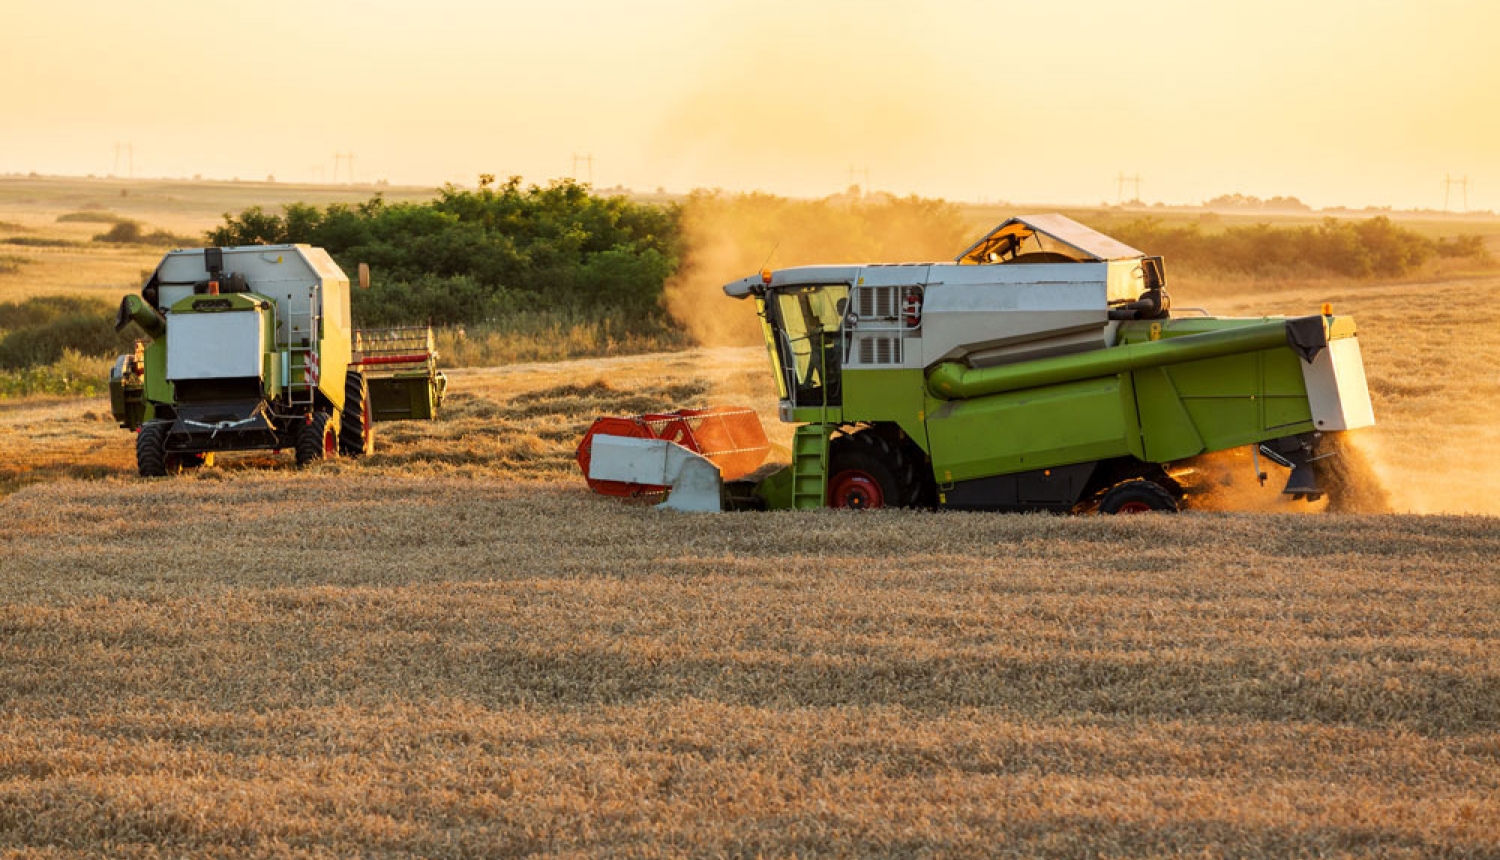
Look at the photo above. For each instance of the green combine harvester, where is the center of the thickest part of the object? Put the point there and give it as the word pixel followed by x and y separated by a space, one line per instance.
pixel 1043 370
pixel 252 348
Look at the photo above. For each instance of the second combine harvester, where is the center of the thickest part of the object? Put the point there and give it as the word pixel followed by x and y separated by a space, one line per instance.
pixel 1041 370
pixel 253 348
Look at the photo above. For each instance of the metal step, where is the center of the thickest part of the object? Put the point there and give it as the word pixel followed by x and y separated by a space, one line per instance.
pixel 810 466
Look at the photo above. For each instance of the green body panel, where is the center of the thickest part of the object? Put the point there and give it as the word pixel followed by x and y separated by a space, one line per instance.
pixel 405 395
pixel 775 490
pixel 895 396
pixel 1039 428
pixel 819 415
pixel 158 389
pixel 1221 403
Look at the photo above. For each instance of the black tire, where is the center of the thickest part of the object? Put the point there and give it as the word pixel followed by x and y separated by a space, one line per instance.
pixel 357 423
pixel 316 440
pixel 1138 497
pixel 151 450
pixel 869 470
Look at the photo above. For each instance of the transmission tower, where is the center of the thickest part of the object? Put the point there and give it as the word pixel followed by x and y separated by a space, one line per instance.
pixel 588 161
pixel 346 158
pixel 860 171
pixel 1136 179
pixel 129 150
pixel 1463 185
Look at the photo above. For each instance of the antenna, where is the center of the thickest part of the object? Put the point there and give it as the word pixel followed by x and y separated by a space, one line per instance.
pixel 1463 184
pixel 770 255
pixel 345 158
pixel 1134 179
pixel 586 159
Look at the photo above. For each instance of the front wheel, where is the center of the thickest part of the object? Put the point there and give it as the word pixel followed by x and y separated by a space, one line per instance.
pixel 1137 497
pixel 151 457
pixel 318 439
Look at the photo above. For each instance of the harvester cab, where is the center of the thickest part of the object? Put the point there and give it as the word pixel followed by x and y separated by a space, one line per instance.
pixel 250 350
pixel 1042 369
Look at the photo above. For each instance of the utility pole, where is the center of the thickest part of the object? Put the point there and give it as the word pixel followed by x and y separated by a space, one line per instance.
pixel 1463 185
pixel 1134 179
pixel 586 159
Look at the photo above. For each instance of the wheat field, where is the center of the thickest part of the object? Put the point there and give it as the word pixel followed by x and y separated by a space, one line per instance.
pixel 452 649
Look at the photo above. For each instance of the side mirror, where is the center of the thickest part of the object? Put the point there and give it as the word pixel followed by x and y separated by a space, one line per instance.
pixel 364 276
pixel 1153 273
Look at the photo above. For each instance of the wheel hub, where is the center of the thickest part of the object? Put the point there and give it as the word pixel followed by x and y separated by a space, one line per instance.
pixel 855 490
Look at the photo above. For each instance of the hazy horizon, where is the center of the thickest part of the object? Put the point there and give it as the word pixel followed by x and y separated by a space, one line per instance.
pixel 1342 104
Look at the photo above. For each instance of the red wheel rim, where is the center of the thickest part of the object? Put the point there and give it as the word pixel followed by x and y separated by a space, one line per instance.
pixel 855 490
pixel 1135 508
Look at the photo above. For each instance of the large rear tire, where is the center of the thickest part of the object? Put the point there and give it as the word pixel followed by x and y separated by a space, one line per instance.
pixel 357 423
pixel 1138 497
pixel 317 440
pixel 868 470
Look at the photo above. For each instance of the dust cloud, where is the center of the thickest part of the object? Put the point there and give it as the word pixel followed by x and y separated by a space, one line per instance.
pixel 728 237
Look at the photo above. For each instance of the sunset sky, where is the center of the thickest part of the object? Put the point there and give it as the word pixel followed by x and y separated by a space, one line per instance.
pixel 1336 102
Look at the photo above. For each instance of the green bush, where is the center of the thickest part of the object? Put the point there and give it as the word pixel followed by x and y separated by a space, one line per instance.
pixel 1467 245
pixel 470 256
pixel 72 374
pixel 41 331
pixel 133 233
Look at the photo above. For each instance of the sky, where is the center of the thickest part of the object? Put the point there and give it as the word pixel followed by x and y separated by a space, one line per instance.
pixel 1336 102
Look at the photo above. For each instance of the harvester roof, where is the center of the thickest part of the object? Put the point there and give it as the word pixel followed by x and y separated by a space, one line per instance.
pixel 1054 234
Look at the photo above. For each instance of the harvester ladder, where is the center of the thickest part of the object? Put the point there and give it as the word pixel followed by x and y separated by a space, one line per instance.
pixel 295 349
pixel 810 466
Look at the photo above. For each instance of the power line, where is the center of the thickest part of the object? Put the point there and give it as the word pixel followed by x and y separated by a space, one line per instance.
pixel 1136 179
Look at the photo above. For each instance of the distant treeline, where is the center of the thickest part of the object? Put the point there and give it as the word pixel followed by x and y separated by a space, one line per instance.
pixel 556 271
pixel 1374 247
